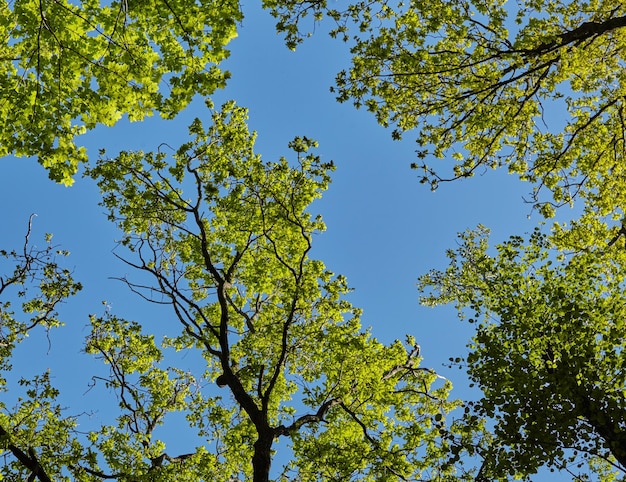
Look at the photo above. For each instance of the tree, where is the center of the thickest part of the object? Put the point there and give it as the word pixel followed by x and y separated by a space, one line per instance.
pixel 537 87
pixel 548 351
pixel 36 278
pixel 224 240
pixel 68 66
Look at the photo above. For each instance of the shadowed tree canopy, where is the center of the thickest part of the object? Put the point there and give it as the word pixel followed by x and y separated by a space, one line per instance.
pixel 222 238
pixel 548 351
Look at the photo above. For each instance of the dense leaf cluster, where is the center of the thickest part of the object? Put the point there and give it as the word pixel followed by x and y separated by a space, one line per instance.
pixel 68 67
pixel 548 350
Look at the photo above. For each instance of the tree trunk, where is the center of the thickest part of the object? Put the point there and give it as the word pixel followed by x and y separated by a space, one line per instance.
pixel 262 458
pixel 606 426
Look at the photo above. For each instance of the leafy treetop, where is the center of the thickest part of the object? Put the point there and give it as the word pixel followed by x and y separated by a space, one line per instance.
pixel 536 86
pixel 224 240
pixel 548 351
pixel 232 261
pixel 69 66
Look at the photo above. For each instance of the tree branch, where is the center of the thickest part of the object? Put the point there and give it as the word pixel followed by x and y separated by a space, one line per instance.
pixel 29 460
pixel 583 32
pixel 309 418
pixel 361 424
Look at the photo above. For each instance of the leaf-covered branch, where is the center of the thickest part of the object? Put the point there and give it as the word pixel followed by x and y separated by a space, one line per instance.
pixel 28 460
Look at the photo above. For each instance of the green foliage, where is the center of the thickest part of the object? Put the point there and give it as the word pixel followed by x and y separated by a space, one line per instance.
pixel 224 240
pixel 537 87
pixel 35 427
pixel 548 350
pixel 69 66
pixel 226 236
pixel 35 430
pixel 37 279
pixel 292 14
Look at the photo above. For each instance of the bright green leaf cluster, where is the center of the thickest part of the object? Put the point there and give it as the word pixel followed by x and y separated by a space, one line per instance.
pixel 537 87
pixel 67 67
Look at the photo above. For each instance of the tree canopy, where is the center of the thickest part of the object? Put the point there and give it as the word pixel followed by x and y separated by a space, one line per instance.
pixel 67 67
pixel 225 238
pixel 548 351
pixel 222 240
pixel 536 87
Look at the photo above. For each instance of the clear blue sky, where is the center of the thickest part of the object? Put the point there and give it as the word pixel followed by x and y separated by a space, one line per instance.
pixel 384 229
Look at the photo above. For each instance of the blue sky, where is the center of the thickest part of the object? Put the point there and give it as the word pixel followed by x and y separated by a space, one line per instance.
pixel 384 229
